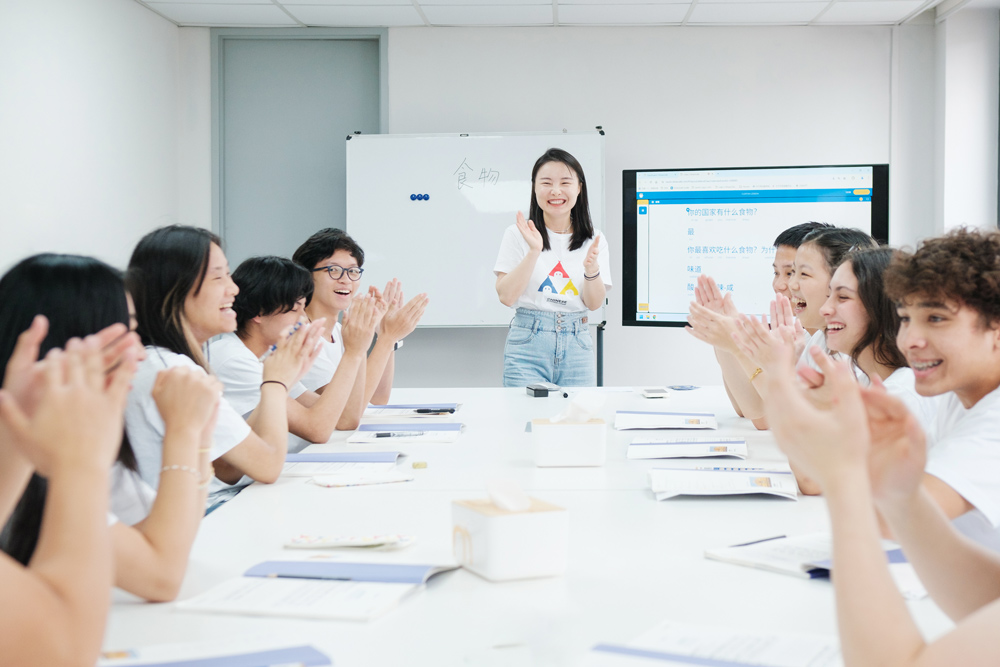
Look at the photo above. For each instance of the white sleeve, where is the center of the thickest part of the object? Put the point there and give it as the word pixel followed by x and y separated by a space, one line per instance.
pixel 297 390
pixel 241 376
pixel 230 430
pixel 513 249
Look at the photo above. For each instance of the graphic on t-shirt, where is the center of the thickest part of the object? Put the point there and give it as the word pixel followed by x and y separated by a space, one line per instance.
pixel 558 282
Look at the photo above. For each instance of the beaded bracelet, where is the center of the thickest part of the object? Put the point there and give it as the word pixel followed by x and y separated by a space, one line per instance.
pixel 187 469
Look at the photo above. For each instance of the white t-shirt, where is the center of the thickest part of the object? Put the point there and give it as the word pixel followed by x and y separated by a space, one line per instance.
pixel 145 427
pixel 901 384
pixel 131 498
pixel 965 454
pixel 818 339
pixel 326 362
pixel 241 372
pixel 557 280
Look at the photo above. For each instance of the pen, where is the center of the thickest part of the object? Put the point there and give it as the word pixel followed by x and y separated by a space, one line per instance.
pixel 766 539
pixel 275 347
pixel 434 411
pixel 397 434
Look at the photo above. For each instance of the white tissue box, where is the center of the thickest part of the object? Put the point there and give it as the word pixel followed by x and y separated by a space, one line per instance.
pixel 501 545
pixel 563 444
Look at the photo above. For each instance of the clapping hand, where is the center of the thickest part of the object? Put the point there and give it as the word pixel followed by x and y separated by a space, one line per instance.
pixel 530 233
pixel 590 265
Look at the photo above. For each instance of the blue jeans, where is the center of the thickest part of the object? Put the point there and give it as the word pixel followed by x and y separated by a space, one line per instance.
pixel 549 347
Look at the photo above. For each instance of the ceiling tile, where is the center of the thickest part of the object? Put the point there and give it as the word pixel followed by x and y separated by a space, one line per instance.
pixel 207 2
pixel 356 3
pixel 742 2
pixel 342 15
pixel 760 12
pixel 870 11
pixel 489 14
pixel 621 14
pixel 228 14
pixel 628 2
pixel 471 3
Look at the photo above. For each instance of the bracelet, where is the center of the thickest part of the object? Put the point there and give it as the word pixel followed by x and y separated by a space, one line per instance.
pixel 203 484
pixel 187 469
pixel 593 277
pixel 204 450
pixel 274 382
pixel 756 373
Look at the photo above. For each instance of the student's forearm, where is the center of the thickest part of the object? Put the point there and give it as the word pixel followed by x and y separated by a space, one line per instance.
pixel 750 377
pixel 270 418
pixel 355 407
pixel 152 556
pixel 959 574
pixel 15 471
pixel 73 565
pixel 875 625
pixel 513 284
pixel 738 384
pixel 317 422
pixel 261 455
pixel 381 366
pixel 594 293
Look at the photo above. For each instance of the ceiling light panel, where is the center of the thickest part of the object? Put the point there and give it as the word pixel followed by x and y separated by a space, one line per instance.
pixel 870 11
pixel 775 13
pixel 483 15
pixel 222 14
pixel 621 14
pixel 348 16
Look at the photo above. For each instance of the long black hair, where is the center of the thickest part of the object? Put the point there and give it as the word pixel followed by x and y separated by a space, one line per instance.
pixel 883 321
pixel 168 264
pixel 583 227
pixel 79 296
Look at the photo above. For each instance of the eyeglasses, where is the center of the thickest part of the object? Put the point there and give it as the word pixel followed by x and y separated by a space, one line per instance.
pixel 337 272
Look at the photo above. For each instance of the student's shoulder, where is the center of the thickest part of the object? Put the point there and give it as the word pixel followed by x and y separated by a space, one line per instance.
pixel 229 350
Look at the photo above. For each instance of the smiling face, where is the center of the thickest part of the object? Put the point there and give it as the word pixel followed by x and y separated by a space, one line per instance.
pixel 556 190
pixel 809 286
pixel 844 313
pixel 271 326
pixel 208 309
pixel 334 295
pixel 784 269
pixel 948 348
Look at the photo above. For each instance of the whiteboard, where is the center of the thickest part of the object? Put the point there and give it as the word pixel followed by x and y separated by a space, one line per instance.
pixel 446 245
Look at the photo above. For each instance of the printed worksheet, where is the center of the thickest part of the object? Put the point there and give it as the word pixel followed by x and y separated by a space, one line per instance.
pixel 671 482
pixel 681 447
pixel 635 419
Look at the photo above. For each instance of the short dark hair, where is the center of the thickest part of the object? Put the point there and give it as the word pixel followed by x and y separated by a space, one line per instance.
pixel 835 242
pixel 268 286
pixel 583 226
pixel 869 267
pixel 324 243
pixel 793 236
pixel 168 264
pixel 962 266
pixel 79 296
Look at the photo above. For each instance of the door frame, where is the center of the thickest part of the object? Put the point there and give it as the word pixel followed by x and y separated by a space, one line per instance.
pixel 218 38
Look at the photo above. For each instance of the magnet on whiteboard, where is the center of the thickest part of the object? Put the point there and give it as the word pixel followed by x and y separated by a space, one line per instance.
pixel 413 197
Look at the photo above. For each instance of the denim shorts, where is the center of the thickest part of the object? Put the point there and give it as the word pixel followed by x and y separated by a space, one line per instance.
pixel 549 347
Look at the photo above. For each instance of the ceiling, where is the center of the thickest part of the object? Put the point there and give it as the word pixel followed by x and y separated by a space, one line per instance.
pixel 393 13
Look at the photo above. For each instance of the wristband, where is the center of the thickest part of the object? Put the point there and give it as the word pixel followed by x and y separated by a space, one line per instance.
pixel 274 382
pixel 593 277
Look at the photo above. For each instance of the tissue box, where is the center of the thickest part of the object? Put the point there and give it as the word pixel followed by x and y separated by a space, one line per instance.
pixel 501 545
pixel 563 444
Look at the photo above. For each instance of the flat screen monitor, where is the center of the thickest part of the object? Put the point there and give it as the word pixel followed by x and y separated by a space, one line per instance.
pixel 679 224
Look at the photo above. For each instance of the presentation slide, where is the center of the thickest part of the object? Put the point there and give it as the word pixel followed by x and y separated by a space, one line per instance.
pixel 722 223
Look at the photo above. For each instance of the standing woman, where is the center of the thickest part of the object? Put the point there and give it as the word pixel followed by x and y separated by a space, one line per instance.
pixel 554 269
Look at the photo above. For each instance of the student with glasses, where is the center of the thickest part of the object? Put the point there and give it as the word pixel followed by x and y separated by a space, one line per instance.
pixel 553 268
pixel 335 261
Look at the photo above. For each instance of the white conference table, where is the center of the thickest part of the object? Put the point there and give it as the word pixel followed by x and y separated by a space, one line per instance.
pixel 633 561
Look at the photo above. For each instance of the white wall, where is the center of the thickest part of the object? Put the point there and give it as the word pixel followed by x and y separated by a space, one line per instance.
pixel 968 89
pixel 88 116
pixel 667 97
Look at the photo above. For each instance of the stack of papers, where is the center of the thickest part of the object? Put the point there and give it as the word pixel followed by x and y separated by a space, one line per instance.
pixel 315 588
pixel 671 482
pixel 663 447
pixel 679 644
pixel 422 411
pixel 223 653
pixel 810 556
pixel 308 464
pixel 632 419
pixel 403 433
